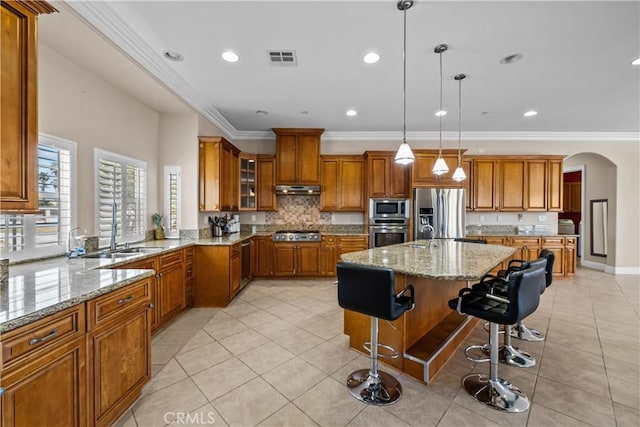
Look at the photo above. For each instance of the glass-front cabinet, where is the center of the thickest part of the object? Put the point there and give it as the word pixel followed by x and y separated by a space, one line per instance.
pixel 247 181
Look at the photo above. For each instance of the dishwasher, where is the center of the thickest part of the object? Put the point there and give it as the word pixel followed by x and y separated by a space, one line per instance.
pixel 246 263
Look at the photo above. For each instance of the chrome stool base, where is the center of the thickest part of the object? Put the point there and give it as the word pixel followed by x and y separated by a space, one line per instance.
pixel 498 394
pixel 507 354
pixel 523 333
pixel 383 390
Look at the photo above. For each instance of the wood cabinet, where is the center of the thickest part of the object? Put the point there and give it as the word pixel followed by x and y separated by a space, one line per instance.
pixel 386 179
pixel 556 245
pixel 266 175
pixel 296 259
pixel 537 185
pixel 262 249
pixel 297 156
pixel 572 196
pixel 219 174
pixel 512 183
pixel 119 343
pixel 485 184
pixel 19 104
pixel 171 286
pixel 347 244
pixel 342 181
pixel 187 256
pixel 328 255
pixel 248 181
pixel 554 186
pixel 422 169
pixel 218 272
pixel 570 259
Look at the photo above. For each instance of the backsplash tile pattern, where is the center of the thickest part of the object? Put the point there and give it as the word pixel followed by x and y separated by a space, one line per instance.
pixel 299 211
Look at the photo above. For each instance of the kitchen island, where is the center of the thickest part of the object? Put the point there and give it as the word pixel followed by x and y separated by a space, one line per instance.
pixel 428 335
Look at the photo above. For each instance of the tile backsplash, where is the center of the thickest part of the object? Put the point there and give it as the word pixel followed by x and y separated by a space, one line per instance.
pixel 293 210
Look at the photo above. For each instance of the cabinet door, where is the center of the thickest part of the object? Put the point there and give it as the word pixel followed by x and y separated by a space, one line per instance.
pixel 329 195
pixel 378 171
pixel 308 260
pixel 397 179
pixel 171 290
pixel 247 182
pixel 329 254
pixel 233 182
pixel 576 197
pixel 121 364
pixel 284 259
pixel 351 185
pixel 570 261
pixel 484 185
pixel 235 274
pixel 209 158
pixel 226 186
pixel 263 256
pixel 308 159
pixel 422 169
pixel 554 187
pixel 50 390
pixel 19 130
pixel 559 262
pixel 537 176
pixel 266 179
pixel 286 151
pixel 512 185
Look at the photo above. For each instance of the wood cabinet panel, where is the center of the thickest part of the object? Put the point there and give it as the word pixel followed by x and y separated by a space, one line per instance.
pixel 235 274
pixel 328 256
pixel 262 256
pixel 295 259
pixel 554 186
pixel 248 181
pixel 512 185
pixel 266 181
pixel 537 183
pixel 485 189
pixel 572 196
pixel 108 307
pixel 219 176
pixel 19 104
pixel 378 175
pixel 218 274
pixel 342 184
pixel 330 181
pixel 171 292
pixel 385 178
pixel 284 259
pixel 308 259
pixel 50 390
pixel 297 156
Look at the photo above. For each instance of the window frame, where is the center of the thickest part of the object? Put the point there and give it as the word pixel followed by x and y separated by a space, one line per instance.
pixel 124 161
pixel 168 170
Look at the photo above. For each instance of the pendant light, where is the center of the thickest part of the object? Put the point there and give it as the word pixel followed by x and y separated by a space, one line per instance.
pixel 459 174
pixel 440 167
pixel 404 156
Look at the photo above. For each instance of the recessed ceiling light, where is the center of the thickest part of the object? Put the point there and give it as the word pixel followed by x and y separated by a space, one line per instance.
pixel 371 58
pixel 441 113
pixel 530 113
pixel 173 56
pixel 635 61
pixel 484 113
pixel 351 113
pixel 230 56
pixel 262 113
pixel 304 112
pixel 511 58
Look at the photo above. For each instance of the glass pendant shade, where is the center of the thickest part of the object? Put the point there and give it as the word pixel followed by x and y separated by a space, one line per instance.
pixel 459 174
pixel 440 167
pixel 404 156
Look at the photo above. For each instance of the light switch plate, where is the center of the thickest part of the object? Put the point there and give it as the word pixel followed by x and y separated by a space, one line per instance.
pixel 542 218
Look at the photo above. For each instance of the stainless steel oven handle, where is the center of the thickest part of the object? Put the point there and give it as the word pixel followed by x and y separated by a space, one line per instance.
pixel 388 228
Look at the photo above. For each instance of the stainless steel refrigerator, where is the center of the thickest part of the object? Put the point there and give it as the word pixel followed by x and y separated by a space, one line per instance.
pixel 441 208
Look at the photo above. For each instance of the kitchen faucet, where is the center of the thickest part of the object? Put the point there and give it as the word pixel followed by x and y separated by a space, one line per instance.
pixel 73 252
pixel 114 228
pixel 429 227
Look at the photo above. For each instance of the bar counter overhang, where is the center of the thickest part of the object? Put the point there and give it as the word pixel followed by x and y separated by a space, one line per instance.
pixel 428 335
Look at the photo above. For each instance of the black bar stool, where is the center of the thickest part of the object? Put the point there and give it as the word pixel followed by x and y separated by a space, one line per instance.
pixel 522 298
pixel 371 291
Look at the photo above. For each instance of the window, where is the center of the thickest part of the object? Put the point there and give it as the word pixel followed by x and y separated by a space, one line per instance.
pixel 45 233
pixel 172 201
pixel 120 181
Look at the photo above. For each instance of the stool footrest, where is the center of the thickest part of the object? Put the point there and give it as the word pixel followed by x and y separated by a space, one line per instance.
pixel 484 348
pixel 392 355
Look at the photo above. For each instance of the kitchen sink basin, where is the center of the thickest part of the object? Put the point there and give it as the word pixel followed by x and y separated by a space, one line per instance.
pixel 139 250
pixel 108 255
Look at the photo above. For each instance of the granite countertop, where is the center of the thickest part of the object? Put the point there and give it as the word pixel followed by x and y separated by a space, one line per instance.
pixel 515 234
pixel 448 260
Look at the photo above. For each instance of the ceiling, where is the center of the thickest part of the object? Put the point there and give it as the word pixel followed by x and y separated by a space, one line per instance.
pixel 575 69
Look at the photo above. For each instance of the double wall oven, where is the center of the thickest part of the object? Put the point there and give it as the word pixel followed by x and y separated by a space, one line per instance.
pixel 388 222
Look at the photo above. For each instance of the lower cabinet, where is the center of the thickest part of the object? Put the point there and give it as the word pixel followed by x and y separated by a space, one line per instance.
pixel 217 274
pixel 44 372
pixel 296 259
pixel 187 255
pixel 570 256
pixel 262 254
pixel 170 286
pixel 334 246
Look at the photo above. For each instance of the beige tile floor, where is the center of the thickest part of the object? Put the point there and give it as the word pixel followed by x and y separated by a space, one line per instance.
pixel 276 356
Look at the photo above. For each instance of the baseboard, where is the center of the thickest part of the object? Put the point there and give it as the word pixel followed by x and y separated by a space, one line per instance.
pixel 634 271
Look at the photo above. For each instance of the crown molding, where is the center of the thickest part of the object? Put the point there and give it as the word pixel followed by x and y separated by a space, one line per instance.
pixel 107 21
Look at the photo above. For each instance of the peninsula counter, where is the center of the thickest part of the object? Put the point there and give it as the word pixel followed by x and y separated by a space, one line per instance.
pixel 429 334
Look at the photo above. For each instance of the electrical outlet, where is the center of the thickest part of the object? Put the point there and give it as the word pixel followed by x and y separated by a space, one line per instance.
pixel 481 218
pixel 542 218
pixel 253 218
pixel 498 217
pixel 520 217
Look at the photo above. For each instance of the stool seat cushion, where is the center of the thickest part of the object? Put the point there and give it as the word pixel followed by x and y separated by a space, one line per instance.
pixel 370 291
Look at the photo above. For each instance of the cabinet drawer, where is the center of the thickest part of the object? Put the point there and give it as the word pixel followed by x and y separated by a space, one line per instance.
pixel 353 240
pixel 571 241
pixel 170 258
pixel 115 303
pixel 188 254
pixel 188 270
pixel 525 241
pixel 328 239
pixel 235 249
pixel 44 333
pixel 490 240
pixel 552 241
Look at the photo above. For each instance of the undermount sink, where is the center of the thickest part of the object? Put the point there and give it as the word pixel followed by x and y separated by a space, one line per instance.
pixel 139 250
pixel 108 255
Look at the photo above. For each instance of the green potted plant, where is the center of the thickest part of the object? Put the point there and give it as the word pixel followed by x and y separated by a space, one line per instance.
pixel 158 233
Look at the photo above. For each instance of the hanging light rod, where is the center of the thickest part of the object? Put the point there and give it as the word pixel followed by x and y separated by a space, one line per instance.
pixel 404 155
pixel 440 166
pixel 459 174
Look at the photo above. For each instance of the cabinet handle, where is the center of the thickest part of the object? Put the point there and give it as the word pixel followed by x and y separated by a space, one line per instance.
pixel 125 300
pixel 1 391
pixel 151 305
pixel 45 338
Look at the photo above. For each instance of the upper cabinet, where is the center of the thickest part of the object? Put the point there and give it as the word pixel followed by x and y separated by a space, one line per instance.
pixel 19 104
pixel 386 179
pixel 266 174
pixel 422 169
pixel 485 190
pixel 247 181
pixel 343 184
pixel 297 156
pixel 218 174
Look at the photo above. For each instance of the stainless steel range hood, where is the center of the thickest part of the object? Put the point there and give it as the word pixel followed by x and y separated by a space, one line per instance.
pixel 298 190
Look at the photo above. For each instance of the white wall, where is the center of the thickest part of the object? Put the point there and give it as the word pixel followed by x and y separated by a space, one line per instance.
pixel 75 104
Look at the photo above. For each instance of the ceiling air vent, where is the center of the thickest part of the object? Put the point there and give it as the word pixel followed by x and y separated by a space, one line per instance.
pixel 283 58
